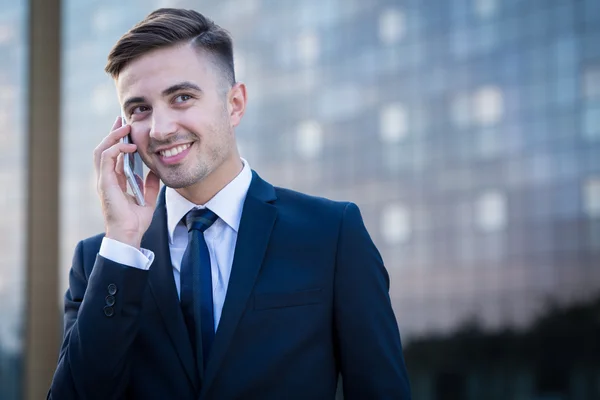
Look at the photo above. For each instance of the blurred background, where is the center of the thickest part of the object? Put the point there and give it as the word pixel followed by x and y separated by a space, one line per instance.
pixel 468 132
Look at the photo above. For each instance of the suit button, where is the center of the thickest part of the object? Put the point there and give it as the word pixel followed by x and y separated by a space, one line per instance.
pixel 112 289
pixel 109 311
pixel 110 300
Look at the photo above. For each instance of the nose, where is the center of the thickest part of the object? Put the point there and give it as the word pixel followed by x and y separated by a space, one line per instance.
pixel 164 124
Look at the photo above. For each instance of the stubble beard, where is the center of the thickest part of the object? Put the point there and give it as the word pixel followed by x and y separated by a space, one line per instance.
pixel 182 176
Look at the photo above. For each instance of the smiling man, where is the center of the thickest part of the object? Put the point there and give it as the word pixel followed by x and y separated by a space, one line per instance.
pixel 222 286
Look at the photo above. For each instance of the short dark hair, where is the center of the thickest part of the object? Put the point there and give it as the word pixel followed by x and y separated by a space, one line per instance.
pixel 170 26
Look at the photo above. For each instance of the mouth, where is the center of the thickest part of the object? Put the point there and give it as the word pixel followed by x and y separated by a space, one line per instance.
pixel 174 154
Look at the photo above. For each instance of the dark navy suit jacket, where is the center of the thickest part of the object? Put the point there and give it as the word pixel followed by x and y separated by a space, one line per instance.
pixel 307 300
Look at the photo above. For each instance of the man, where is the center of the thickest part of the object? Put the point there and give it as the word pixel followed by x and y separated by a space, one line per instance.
pixel 224 287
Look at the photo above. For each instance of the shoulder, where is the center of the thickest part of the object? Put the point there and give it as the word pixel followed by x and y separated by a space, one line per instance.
pixel 291 201
pixel 287 198
pixel 319 210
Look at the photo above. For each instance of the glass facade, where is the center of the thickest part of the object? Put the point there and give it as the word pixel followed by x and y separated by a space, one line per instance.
pixel 468 132
pixel 13 175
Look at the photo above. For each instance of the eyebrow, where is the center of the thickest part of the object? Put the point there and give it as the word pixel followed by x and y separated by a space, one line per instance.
pixel 167 92
pixel 181 86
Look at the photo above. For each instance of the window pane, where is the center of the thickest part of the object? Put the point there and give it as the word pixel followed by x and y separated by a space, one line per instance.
pixel 591 197
pixel 591 81
pixel 459 126
pixel 491 211
pixel 591 121
pixel 13 175
pixel 395 224
pixel 90 29
pixel 393 123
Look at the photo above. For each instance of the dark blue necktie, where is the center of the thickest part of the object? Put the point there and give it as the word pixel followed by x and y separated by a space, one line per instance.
pixel 196 285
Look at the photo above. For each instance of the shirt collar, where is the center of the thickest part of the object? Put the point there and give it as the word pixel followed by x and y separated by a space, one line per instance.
pixel 227 203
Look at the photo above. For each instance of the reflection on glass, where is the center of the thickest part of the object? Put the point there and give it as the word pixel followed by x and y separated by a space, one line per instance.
pixel 591 121
pixel 486 8
pixel 488 105
pixel 591 81
pixel 466 129
pixel 392 25
pixel 309 140
pixel 395 223
pixel 393 123
pixel 307 47
pixel 491 211
pixel 13 91
pixel 591 197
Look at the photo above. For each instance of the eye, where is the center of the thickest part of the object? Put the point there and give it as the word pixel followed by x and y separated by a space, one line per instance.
pixel 182 98
pixel 139 109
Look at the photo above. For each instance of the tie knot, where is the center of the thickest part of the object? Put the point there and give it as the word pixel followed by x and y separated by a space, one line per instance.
pixel 200 219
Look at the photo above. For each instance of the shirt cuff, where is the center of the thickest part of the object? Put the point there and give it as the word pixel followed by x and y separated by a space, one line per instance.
pixel 125 254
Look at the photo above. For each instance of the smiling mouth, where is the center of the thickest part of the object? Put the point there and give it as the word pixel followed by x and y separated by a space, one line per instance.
pixel 175 150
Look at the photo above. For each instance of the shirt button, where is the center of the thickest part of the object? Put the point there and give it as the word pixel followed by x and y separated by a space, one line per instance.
pixel 110 300
pixel 112 289
pixel 109 311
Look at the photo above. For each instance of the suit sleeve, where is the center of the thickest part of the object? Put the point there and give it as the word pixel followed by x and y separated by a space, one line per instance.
pixel 100 324
pixel 368 340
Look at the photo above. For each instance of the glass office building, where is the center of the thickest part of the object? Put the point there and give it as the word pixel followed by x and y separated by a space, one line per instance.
pixel 13 91
pixel 468 132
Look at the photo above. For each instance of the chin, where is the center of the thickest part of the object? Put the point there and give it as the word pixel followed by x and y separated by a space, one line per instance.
pixel 180 182
pixel 177 183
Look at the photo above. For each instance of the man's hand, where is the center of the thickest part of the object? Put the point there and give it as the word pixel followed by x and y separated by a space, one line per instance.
pixel 124 220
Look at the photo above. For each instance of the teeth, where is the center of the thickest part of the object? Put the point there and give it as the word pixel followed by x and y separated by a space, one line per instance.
pixel 174 151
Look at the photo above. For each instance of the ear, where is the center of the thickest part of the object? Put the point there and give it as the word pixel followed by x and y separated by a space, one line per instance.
pixel 236 103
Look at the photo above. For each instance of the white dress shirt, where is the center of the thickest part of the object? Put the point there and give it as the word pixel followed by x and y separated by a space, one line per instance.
pixel 220 237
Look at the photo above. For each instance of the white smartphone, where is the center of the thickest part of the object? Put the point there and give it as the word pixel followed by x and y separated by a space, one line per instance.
pixel 133 166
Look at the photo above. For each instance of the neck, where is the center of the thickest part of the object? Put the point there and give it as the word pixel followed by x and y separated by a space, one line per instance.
pixel 201 192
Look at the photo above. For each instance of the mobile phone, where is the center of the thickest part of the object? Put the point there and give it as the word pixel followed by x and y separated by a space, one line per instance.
pixel 133 166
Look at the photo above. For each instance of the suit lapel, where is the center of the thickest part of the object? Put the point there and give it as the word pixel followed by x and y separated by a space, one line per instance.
pixel 258 218
pixel 162 285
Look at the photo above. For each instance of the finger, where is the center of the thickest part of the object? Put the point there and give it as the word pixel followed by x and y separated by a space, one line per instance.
pixel 117 133
pixel 98 150
pixel 151 188
pixel 119 170
pixel 108 159
pixel 117 124
pixel 112 138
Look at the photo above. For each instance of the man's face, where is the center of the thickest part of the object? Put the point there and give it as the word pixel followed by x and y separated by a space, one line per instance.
pixel 180 112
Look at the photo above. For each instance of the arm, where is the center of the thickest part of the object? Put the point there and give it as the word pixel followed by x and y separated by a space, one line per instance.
pixel 94 360
pixel 368 340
